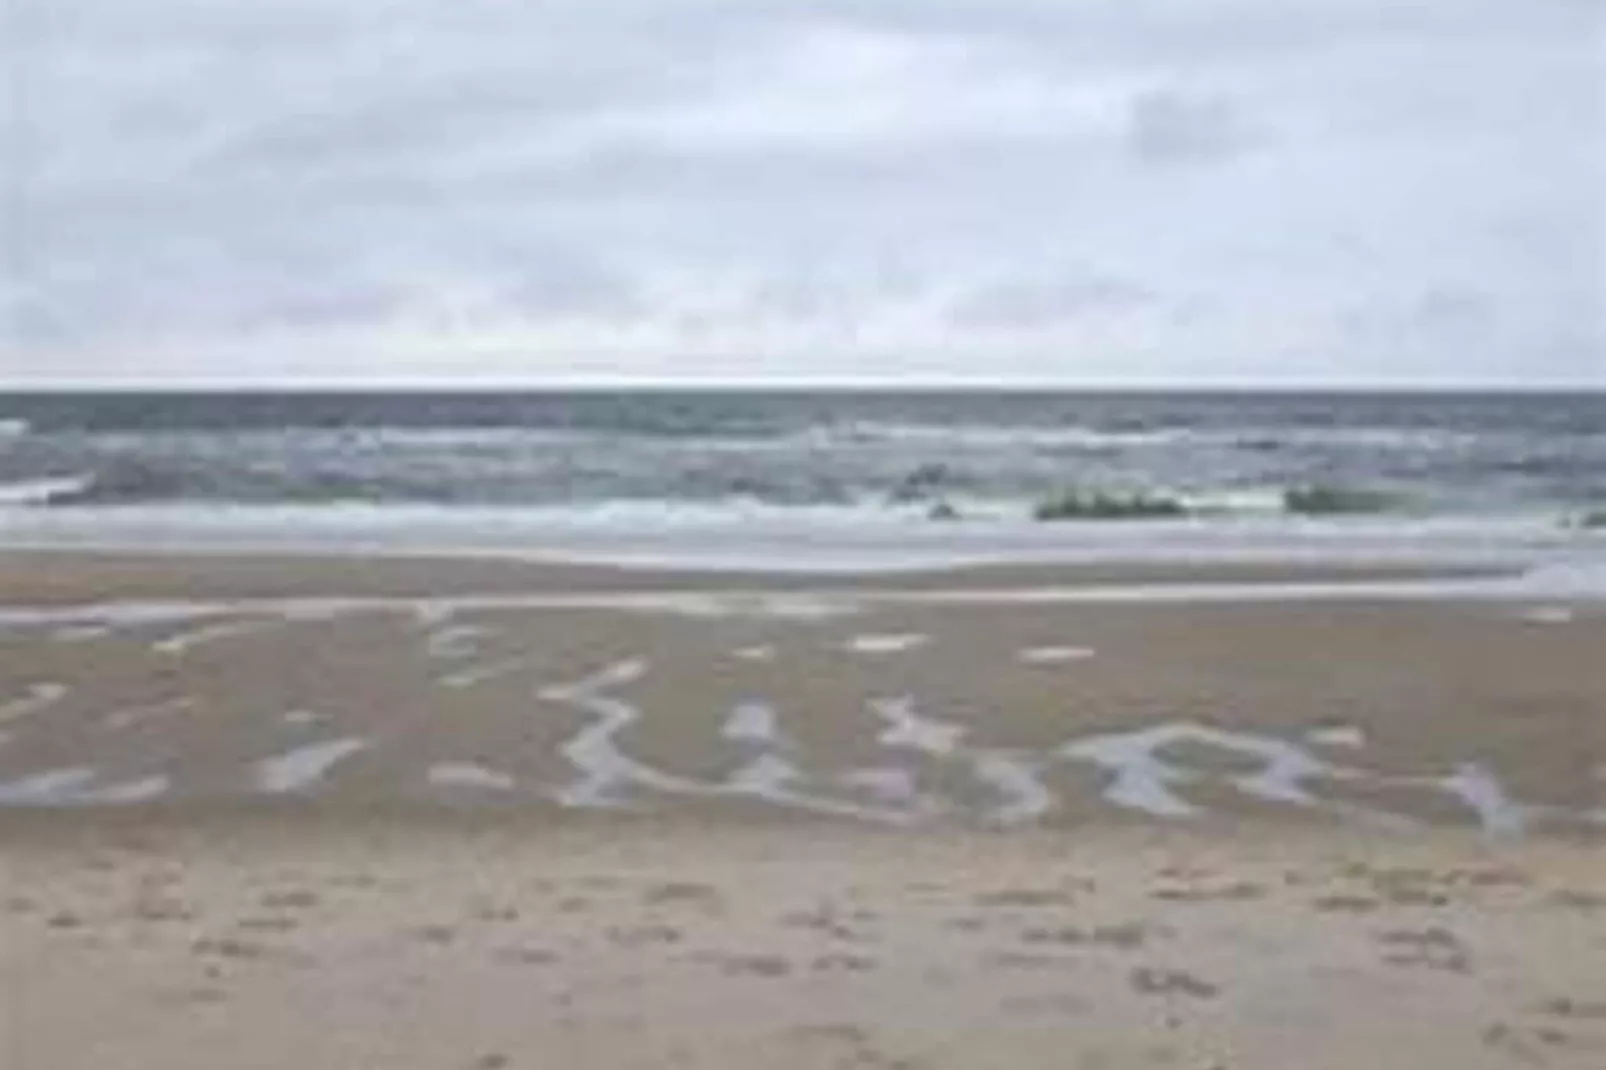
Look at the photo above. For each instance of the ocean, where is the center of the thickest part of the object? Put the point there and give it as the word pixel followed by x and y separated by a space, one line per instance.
pixel 517 470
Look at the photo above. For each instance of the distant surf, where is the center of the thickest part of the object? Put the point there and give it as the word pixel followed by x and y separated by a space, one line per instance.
pixel 520 469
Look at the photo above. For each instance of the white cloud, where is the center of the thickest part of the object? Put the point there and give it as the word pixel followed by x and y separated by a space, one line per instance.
pixel 1336 190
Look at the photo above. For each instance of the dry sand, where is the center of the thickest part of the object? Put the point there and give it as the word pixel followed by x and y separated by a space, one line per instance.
pixel 317 943
pixel 788 831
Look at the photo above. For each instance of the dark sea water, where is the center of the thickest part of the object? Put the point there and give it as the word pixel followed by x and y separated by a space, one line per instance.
pixel 990 454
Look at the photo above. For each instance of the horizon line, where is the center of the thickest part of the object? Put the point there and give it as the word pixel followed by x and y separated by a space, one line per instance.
pixel 403 386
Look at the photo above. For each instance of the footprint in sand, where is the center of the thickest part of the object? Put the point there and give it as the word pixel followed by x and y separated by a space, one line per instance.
pixel 1151 981
pixel 690 893
pixel 751 965
pixel 1432 948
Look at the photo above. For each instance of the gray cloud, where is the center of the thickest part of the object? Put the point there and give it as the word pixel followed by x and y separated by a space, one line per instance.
pixel 1169 126
pixel 1331 189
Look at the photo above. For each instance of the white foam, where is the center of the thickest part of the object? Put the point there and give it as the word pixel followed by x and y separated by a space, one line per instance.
pixel 1548 615
pixel 886 644
pixel 300 717
pixel 907 729
pixel 1053 655
pixel 41 491
pixel 754 653
pixel 468 775
pixel 38 697
pixel 303 767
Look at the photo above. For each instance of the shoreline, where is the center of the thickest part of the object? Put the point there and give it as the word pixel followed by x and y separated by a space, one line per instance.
pixel 59 577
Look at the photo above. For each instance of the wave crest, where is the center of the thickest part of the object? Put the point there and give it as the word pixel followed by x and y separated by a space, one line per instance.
pixel 47 491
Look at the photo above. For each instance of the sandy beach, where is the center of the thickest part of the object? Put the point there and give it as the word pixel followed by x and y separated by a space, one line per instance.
pixel 299 812
pixel 968 535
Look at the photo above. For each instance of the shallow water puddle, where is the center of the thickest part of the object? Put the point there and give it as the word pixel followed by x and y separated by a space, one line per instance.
pixel 1135 768
pixel 1053 655
pixel 478 674
pixel 119 719
pixel 46 787
pixel 886 644
pixel 1022 794
pixel 604 769
pixel 209 633
pixel 468 775
pixel 454 641
pixel 907 729
pixel 80 633
pixel 1486 797
pixel 1141 780
pixel 72 787
pixel 1338 735
pixel 885 783
pixel 38 697
pixel 131 791
pixel 606 772
pixel 771 778
pixel 751 722
pixel 303 767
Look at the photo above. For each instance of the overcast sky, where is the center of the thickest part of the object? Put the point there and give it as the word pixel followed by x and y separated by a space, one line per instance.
pixel 1088 192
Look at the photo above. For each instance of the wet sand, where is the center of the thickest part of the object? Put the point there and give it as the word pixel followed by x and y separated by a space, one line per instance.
pixel 779 828
pixel 44 577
